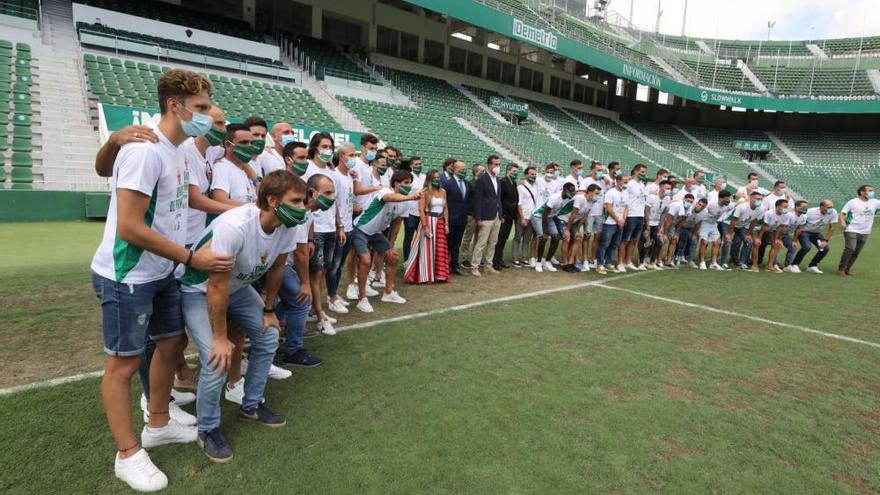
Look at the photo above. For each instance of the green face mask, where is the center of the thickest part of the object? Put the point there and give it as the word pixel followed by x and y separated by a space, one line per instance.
pixel 404 189
pixel 243 152
pixel 391 163
pixel 215 137
pixel 435 182
pixel 299 168
pixel 324 203
pixel 417 170
pixel 461 175
pixel 325 155
pixel 381 170
pixel 259 144
pixel 641 176
pixel 514 176
pixel 802 210
pixel 291 216
pixel 531 178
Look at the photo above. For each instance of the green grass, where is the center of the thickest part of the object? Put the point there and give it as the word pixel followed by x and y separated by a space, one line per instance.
pixel 590 391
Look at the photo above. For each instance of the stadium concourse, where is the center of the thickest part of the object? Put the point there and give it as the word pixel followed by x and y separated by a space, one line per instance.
pixel 259 172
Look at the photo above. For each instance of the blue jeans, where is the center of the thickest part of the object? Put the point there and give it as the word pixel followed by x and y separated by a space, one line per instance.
pixel 334 273
pixel 632 229
pixel 806 239
pixel 789 254
pixel 610 239
pixel 325 246
pixel 685 240
pixel 725 246
pixel 245 308
pixel 740 250
pixel 291 311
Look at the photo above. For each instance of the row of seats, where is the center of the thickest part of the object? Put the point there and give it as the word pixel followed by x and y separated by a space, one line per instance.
pixel 803 81
pixel 721 76
pixel 175 14
pixel 16 113
pixel 170 44
pixel 329 61
pixel 26 9
pixel 129 83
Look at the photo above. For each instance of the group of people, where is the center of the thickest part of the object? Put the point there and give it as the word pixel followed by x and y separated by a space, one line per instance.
pixel 225 233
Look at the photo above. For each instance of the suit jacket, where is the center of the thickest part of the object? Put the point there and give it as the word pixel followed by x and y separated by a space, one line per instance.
pixel 487 202
pixel 509 197
pixel 457 205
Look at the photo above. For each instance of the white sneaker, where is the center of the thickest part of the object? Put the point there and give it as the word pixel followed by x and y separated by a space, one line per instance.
pixel 694 265
pixel 338 300
pixel 548 265
pixel 364 305
pixel 532 262
pixel 642 268
pixel 393 297
pixel 236 393
pixel 182 398
pixel 352 292
pixel 326 327
pixel 814 269
pixel 632 266
pixel 795 269
pixel 139 472
pixel 554 261
pixel 702 265
pixel 337 307
pixel 174 412
pixel 277 373
pixel 716 266
pixel 788 269
pixel 311 318
pixel 173 432
pixel 585 267
pixel 621 268
pixel 378 283
pixel 370 292
pixel 651 266
pixel 539 267
pixel 330 318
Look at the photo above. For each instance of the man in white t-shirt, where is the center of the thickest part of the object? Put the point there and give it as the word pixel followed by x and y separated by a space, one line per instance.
pixel 653 187
pixel 745 192
pixel 572 242
pixel 652 236
pixel 363 184
pixel 231 182
pixel 779 192
pixel 719 185
pixel 616 211
pixel 546 183
pixel 521 250
pixel 672 220
pixel 596 216
pixel 635 219
pixel 547 224
pixel 858 216
pixel 412 219
pixel 773 220
pixel 700 190
pixel 345 158
pixel 791 232
pixel 707 228
pixel 296 157
pixel 259 237
pixel 272 159
pixel 132 275
pixel 741 231
pixel 383 212
pixel 821 217
pixel 690 187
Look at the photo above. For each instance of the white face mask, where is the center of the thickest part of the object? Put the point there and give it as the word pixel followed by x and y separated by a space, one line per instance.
pixel 495 171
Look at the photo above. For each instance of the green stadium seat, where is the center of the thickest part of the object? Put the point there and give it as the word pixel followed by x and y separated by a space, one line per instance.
pixel 22 159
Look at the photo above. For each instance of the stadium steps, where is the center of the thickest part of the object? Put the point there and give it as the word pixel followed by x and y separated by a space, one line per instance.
pixel 757 83
pixel 479 103
pixel 473 127
pixel 347 119
pixel 587 126
pixel 784 147
pixel 635 132
pixel 817 51
pixel 874 77
pixel 57 27
pixel 699 143
pixel 703 46
pixel 670 69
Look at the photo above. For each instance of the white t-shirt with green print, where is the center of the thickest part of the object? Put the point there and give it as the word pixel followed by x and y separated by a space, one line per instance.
pixel 556 205
pixel 156 170
pixel 860 215
pixel 378 215
pixel 233 181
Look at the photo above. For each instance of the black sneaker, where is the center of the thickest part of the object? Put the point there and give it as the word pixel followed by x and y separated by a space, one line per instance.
pixel 466 264
pixel 262 415
pixel 214 446
pixel 302 358
pixel 516 264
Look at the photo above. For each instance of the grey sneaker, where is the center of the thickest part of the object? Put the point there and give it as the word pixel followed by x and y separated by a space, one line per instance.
pixel 214 446
pixel 262 415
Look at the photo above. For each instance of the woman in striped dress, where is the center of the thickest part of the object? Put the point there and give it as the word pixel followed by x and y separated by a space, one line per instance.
pixel 429 255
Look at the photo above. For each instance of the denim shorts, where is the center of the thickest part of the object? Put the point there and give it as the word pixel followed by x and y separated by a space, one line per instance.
pixel 593 224
pixel 132 312
pixel 552 226
pixel 362 243
pixel 325 245
pixel 632 229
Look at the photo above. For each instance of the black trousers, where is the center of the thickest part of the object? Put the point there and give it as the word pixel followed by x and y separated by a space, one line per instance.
pixel 453 241
pixel 503 234
pixel 410 224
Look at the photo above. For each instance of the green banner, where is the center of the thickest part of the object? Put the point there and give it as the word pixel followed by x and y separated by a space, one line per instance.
pixel 117 117
pixel 493 20
pixel 508 105
pixel 752 145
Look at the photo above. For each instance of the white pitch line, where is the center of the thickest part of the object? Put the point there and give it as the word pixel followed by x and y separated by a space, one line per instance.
pixel 368 324
pixel 741 315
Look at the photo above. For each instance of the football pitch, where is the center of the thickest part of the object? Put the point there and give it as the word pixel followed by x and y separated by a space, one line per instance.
pixel 678 381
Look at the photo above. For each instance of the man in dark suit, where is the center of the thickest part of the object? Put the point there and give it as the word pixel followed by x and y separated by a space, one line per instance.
pixel 487 214
pixel 509 212
pixel 458 193
pixel 448 173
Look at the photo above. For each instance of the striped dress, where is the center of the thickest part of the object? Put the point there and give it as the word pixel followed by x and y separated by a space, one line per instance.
pixel 429 256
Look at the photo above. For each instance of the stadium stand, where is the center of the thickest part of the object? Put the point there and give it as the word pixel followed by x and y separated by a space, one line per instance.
pixel 129 83
pixel 15 98
pixel 175 14
pixel 721 76
pixel 804 81
pixel 324 59
pixel 169 44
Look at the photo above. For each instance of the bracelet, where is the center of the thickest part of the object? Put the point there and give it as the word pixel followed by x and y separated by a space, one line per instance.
pixel 268 310
pixel 189 258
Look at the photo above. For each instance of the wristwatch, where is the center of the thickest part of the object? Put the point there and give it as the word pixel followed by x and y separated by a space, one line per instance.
pixel 267 310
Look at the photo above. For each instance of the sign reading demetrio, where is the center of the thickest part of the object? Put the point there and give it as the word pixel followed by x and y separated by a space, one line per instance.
pixel 535 35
